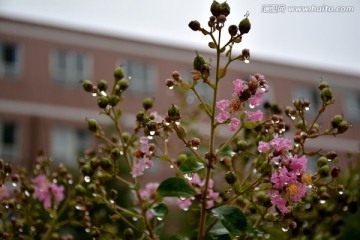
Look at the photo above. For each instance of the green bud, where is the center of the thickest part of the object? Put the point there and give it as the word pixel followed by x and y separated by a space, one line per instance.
pixel 343 126
pixel 323 85
pixel 230 177
pixel 181 158
pixel 194 25
pixel 92 125
pixel 113 100
pixel 102 85
pixel 174 112
pixel 225 9
pixel 106 164
pixel 119 73
pixel 323 189
pixel 216 8
pixel 324 171
pixel 123 84
pixel 241 145
pixel 326 95
pixel 244 26
pixel 129 234
pixel 336 120
pixel 80 190
pixel 115 154
pixel 87 170
pixel 140 116
pixel 103 101
pixel 198 63
pixel 94 163
pixel 322 161
pixel 147 103
pixel 87 85
pixel 125 136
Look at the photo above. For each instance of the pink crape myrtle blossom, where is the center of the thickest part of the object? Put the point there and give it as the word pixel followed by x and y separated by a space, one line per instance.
pixel 278 201
pixel 143 161
pixel 239 87
pixel 4 192
pixel 157 117
pixel 46 191
pixel 223 104
pixel 281 143
pixel 256 99
pixel 255 116
pixel 234 124
pixel 263 146
pixel 222 116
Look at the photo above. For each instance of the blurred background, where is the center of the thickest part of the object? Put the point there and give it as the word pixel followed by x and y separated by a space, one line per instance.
pixel 48 47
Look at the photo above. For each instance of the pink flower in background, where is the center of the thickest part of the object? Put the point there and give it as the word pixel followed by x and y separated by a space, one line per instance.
pixel 223 104
pixel 184 204
pixel 234 124
pixel 263 146
pixel 4 192
pixel 256 99
pixel 255 116
pixel 222 116
pixel 150 191
pixel 239 87
pixel 46 191
pixel 143 164
pixel 278 201
pixel 157 117
pixel 281 143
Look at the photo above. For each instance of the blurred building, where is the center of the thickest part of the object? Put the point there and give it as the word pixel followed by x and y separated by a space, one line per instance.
pixel 43 106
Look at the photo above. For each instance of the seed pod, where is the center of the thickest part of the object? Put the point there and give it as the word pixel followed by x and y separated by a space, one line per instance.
pixel 244 26
pixel 87 85
pixel 326 95
pixel 216 8
pixel 343 126
pixel 92 125
pixel 147 103
pixel 230 177
pixel 336 120
pixel 233 30
pixel 103 102
pixel 194 25
pixel 102 85
pixel 123 84
pixel 225 9
pixel 198 63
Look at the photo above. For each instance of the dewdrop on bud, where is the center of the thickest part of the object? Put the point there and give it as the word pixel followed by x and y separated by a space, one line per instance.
pixel 195 142
pixel 170 83
pixel 343 126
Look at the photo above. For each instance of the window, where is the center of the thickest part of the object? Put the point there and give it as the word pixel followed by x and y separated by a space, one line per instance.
pixel 309 93
pixel 70 67
pixel 352 105
pixel 8 140
pixel 141 76
pixel 68 144
pixel 9 59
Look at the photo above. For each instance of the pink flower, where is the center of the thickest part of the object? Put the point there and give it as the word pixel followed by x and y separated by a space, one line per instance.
pixel 280 202
pixel 149 192
pixel 239 87
pixel 223 104
pixel 222 116
pixel 46 191
pixel 4 192
pixel 282 178
pixel 184 204
pixel 144 145
pixel 234 124
pixel 296 191
pixel 139 168
pixel 298 164
pixel 281 143
pixel 157 117
pixel 255 116
pixel 263 146
pixel 256 99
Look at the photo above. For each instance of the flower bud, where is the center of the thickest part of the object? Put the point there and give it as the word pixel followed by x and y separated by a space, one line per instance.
pixel 87 85
pixel 245 53
pixel 331 155
pixel 324 171
pixel 343 126
pixel 336 120
pixel 115 153
pixel 140 116
pixel 113 100
pixel 119 73
pixel 92 125
pixel 103 101
pixel 225 9
pixel 105 164
pixel 123 84
pixel 198 63
pixel 129 234
pixel 221 18
pixel 323 85
pixel 87 170
pixel 195 25
pixel 80 190
pixel 195 142
pixel 147 103
pixel 244 26
pixel 241 145
pixel 326 95
pixel 230 177
pixel 176 75
pixel 174 112
pixel 322 161
pixel 102 85
pixel 215 8
pixel 94 163
pixel 335 171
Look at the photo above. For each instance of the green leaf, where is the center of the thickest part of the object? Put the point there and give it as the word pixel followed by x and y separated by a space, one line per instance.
pixel 160 210
pixel 175 187
pixel 250 125
pixel 205 108
pixel 191 165
pixel 232 218
pixel 221 73
pixel 227 151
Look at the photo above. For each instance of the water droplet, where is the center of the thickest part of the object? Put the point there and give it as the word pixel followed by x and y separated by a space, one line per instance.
pixel 256 188
pixel 247 60
pixel 87 230
pixel 129 77
pixel 14 184
pixel 267 236
pixel 307 206
pixel 185 209
pixel 70 181
pixel 292 117
pixel 152 133
pixel 150 137
pixel 341 192
pixel 254 170
pixel 167 124
pixel 329 160
pixel 18 206
pixel 263 88
pixel 194 147
pixel 27 193
pixel 171 166
pixel 285 229
pixel 307 108
pixel 182 198
pixel 189 176
pixel 134 219
pixel 94 94
pixel 54 180
pixel 21 230
pixel 322 201
pixel 103 93
pixel 251 106
pixel 171 87
pixel 121 152
pixel 111 201
pixel 32 228
pixel 159 218
pixel 79 207
pixel 345 208
pixel 177 123
pixel 87 179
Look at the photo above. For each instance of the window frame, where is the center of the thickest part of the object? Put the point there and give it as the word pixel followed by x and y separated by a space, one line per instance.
pixel 15 70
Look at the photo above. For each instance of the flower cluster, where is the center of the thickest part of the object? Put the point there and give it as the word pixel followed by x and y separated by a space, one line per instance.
pixel 143 156
pixel 46 191
pixel 251 92
pixel 289 180
pixel 198 183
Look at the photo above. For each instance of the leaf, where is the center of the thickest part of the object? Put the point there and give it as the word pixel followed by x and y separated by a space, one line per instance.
pixel 212 45
pixel 227 151
pixel 250 125
pixel 232 218
pixel 205 108
pixel 160 210
pixel 175 187
pixel 221 73
pixel 191 165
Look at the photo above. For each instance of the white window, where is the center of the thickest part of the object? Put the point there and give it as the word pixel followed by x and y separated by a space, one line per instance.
pixel 8 140
pixel 68 144
pixel 352 105
pixel 311 94
pixel 70 67
pixel 9 59
pixel 141 75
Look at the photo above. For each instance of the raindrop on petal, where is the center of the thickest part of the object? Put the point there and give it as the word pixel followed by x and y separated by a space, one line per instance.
pixel 285 229
pixel 87 179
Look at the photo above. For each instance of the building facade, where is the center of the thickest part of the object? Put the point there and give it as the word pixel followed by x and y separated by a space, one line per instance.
pixel 43 106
